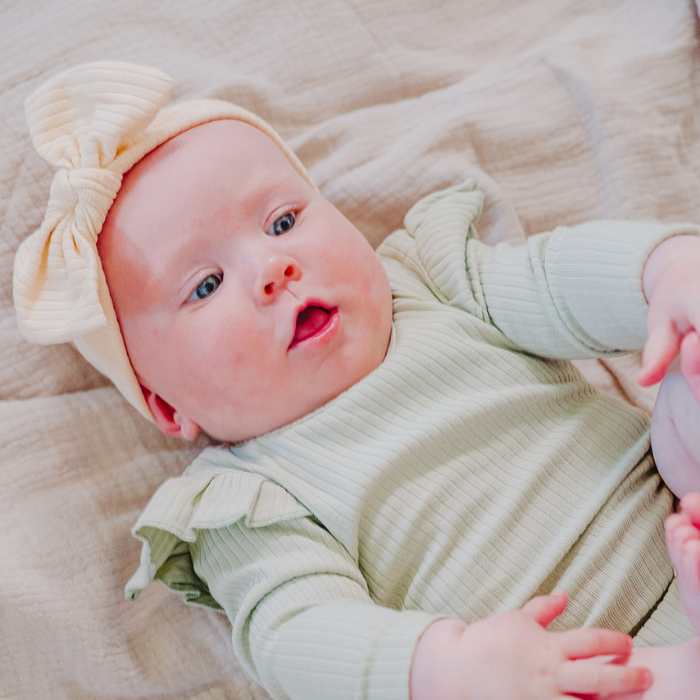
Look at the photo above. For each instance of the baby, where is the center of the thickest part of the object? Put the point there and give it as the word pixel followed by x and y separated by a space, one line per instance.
pixel 406 483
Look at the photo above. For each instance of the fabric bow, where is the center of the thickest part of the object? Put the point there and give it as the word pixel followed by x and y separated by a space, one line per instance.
pixel 83 122
pixel 79 121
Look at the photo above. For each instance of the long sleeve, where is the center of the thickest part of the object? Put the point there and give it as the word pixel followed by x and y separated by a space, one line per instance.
pixel 304 625
pixel 575 292
pixel 572 293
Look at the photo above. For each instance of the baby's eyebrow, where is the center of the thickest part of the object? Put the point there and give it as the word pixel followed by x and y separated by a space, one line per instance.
pixel 166 280
pixel 273 184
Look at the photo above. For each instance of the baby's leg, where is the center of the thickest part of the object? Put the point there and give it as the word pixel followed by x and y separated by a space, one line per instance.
pixel 676 669
pixel 683 540
pixel 676 672
pixel 675 435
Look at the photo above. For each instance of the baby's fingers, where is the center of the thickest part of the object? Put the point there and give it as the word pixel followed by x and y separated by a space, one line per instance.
pixel 545 608
pixel 662 346
pixel 585 643
pixel 585 677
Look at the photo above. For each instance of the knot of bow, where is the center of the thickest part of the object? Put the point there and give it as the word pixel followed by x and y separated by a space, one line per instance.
pixel 82 122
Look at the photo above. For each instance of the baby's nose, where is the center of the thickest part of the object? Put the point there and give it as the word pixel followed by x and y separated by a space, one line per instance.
pixel 277 272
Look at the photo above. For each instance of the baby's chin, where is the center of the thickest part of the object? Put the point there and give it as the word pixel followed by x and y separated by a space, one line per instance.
pixel 239 428
pixel 236 431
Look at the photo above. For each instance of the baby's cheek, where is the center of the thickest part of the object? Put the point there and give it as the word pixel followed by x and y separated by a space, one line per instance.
pixel 148 347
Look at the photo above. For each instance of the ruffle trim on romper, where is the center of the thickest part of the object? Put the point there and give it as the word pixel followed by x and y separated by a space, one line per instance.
pixel 206 497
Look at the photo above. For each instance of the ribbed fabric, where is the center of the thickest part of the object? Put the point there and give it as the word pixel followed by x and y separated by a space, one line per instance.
pixel 460 478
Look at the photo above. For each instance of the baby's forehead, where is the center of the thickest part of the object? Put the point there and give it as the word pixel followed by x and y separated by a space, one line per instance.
pixel 227 148
pixel 202 142
pixel 223 135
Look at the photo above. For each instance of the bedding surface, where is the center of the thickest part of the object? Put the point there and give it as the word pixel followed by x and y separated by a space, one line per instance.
pixel 563 111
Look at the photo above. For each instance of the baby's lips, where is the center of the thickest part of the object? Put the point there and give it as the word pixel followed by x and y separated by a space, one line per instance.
pixel 310 320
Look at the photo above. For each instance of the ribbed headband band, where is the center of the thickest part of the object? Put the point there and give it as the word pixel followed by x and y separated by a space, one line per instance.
pixel 94 123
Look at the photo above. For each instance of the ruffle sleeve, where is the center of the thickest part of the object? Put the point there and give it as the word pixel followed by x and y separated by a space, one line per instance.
pixel 206 497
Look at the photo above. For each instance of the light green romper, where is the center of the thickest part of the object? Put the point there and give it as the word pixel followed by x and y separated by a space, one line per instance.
pixel 462 477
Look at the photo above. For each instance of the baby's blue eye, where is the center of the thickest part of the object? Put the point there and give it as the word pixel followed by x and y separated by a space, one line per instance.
pixel 207 287
pixel 282 225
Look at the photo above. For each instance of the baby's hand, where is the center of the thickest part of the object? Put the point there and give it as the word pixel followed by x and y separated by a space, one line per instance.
pixel 672 287
pixel 512 656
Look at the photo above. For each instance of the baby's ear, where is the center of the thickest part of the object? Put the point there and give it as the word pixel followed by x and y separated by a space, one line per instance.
pixel 169 421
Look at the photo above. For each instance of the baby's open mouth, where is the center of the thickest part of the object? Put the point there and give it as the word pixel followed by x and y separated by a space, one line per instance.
pixel 311 320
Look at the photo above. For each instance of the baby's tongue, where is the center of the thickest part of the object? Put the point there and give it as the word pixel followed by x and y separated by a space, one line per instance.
pixel 309 322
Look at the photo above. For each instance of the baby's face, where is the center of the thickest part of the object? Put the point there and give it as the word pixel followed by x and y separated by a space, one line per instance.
pixel 246 300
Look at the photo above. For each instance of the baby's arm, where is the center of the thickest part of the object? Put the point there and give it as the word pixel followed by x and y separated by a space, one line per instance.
pixel 511 655
pixel 305 627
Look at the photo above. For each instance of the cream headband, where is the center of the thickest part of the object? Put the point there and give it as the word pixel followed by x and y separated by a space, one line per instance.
pixel 94 123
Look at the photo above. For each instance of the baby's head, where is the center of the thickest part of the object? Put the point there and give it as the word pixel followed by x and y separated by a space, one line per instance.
pixel 245 300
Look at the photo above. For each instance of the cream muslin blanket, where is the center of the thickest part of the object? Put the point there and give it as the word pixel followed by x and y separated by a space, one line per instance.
pixel 563 111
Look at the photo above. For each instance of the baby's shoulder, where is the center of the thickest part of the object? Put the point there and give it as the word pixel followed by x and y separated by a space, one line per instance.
pixel 431 250
pixel 435 214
